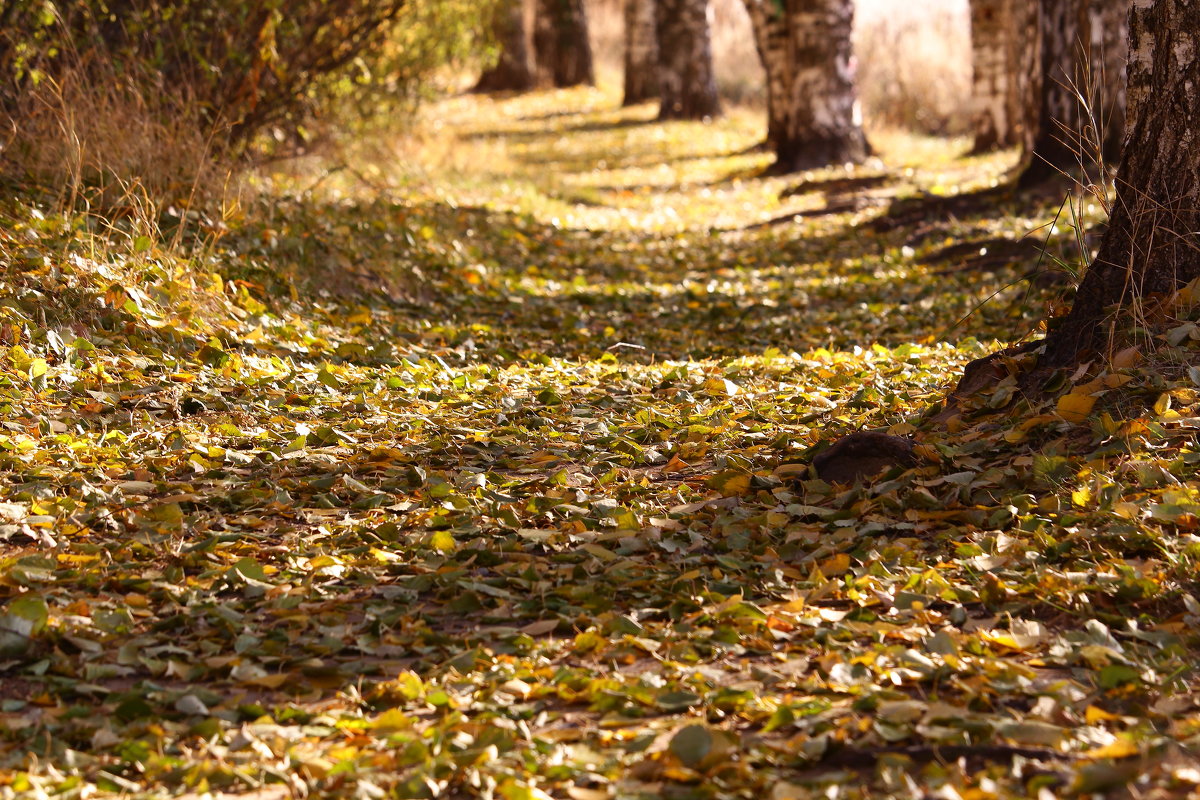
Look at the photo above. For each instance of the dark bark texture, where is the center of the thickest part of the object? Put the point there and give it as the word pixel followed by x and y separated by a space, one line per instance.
pixel 641 52
pixel 812 109
pixel 560 39
pixel 687 84
pixel 1152 245
pixel 515 71
pixel 1078 119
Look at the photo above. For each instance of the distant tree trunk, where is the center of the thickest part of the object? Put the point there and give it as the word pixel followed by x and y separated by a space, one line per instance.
pixel 1080 94
pixel 1152 245
pixel 1109 21
pixel 687 84
pixel 1000 39
pixel 560 38
pixel 812 111
pixel 515 70
pixel 641 52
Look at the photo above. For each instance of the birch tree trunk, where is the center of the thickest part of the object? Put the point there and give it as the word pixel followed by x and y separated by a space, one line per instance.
pixel 515 69
pixel 641 52
pixel 1152 245
pixel 812 110
pixel 687 84
pixel 560 40
pixel 1081 94
pixel 998 44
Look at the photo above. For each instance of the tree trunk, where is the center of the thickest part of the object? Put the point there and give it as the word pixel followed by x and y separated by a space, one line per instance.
pixel 1079 92
pixel 812 108
pixel 687 84
pixel 1152 245
pixel 560 39
pixel 514 71
pixel 641 52
pixel 1109 20
pixel 999 48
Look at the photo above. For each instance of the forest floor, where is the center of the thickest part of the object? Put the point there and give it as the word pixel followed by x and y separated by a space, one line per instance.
pixel 477 464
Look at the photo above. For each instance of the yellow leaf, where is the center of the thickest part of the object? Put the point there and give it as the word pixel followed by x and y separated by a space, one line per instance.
pixel 730 482
pixel 38 367
pixel 836 565
pixel 1127 510
pixel 76 558
pixel 1095 714
pixel 271 681
pixel 442 541
pixel 928 451
pixel 1163 404
pixel 1075 407
pixel 722 387
pixel 1121 748
pixel 385 556
pixel 392 720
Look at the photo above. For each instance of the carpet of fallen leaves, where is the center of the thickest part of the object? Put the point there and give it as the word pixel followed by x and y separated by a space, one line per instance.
pixel 481 470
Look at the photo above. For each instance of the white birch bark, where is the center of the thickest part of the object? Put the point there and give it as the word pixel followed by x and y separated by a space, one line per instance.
pixel 813 117
pixel 996 42
pixel 1152 245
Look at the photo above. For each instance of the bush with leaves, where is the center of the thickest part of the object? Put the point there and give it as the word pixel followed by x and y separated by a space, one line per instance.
pixel 216 74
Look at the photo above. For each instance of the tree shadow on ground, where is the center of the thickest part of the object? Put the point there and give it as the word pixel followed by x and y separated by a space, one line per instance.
pixel 573 294
pixel 524 134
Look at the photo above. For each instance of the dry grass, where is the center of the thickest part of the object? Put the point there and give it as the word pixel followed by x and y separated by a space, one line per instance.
pixel 914 64
pixel 914 59
pixel 100 144
pixel 107 144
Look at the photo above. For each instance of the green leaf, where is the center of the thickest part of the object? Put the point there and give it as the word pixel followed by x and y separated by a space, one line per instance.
pixel 22 619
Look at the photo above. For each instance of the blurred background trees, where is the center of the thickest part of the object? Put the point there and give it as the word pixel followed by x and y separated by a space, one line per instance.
pixel 813 118
pixel 561 46
pixel 641 52
pixel 1075 118
pixel 687 85
pixel 515 69
pixel 183 82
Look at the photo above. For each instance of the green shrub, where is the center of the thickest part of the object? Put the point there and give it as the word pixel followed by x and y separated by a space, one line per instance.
pixel 108 90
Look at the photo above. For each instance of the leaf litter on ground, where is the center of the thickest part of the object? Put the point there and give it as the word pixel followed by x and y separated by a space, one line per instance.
pixel 493 480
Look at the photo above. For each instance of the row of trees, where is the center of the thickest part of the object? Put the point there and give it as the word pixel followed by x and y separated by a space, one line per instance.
pixel 1050 78
pixel 668 53
pixel 1049 74
pixel 556 54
